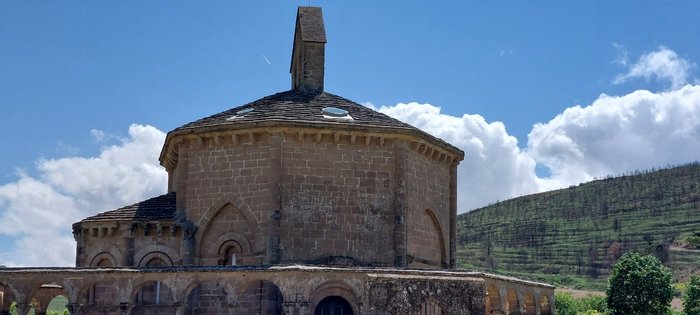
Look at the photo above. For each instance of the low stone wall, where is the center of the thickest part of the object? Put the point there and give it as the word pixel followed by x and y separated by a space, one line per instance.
pixel 268 290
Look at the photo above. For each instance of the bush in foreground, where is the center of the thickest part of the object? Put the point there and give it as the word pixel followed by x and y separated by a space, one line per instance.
pixel 691 300
pixel 639 285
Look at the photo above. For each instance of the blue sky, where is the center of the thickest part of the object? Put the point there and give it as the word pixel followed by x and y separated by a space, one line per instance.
pixel 84 82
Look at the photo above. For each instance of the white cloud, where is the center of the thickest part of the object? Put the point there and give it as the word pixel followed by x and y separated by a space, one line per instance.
pixel 494 167
pixel 613 135
pixel 622 57
pixel 618 134
pixel 38 211
pixel 663 65
pixel 99 135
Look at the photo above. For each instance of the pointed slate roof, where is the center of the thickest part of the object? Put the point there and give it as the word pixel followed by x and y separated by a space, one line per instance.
pixel 298 106
pixel 157 208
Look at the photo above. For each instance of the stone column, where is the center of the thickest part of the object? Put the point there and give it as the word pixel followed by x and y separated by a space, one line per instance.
pixel 80 248
pixel 180 175
pixel 124 308
pixel 179 309
pixel 453 215
pixel 128 233
pixel 288 308
pixel 275 185
pixel 304 308
pixel 400 246
pixel 188 244
pixel 23 308
pixel 73 308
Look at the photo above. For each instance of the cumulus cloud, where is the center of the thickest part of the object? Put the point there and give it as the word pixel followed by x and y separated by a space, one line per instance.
pixel 38 211
pixel 613 135
pixel 663 65
pixel 618 134
pixel 494 167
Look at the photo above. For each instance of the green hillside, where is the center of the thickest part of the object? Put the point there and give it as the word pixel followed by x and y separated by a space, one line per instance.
pixel 572 236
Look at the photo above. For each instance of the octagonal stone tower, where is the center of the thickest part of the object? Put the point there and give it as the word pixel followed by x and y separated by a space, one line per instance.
pixel 301 176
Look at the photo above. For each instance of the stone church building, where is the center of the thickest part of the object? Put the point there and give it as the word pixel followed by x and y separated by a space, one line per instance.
pixel 301 202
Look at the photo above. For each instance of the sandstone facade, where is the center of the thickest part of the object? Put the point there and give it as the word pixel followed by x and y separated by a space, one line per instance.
pixel 301 202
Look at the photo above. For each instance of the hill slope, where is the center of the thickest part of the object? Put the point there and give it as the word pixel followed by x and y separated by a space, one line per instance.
pixel 572 236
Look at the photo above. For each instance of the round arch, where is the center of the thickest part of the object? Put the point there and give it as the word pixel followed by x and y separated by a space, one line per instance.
pixel 512 302
pixel 529 304
pixel 145 260
pixel 8 295
pixel 106 251
pixel 333 305
pixel 545 305
pixel 140 255
pixel 100 259
pixel 493 302
pixel 231 239
pixel 334 288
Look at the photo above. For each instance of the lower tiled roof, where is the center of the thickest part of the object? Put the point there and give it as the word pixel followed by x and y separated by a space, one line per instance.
pixel 157 208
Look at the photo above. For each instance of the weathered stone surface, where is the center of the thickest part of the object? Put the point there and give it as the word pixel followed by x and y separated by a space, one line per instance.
pixel 299 289
pixel 284 184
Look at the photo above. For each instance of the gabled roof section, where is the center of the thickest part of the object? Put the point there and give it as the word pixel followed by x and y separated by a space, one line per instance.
pixel 157 208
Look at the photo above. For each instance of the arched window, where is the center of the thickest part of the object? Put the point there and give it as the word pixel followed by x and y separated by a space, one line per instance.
pixel 229 253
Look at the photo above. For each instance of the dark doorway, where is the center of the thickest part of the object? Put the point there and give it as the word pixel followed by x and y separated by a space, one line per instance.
pixel 333 305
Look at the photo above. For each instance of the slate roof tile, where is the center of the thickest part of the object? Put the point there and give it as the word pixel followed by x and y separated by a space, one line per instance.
pixel 157 208
pixel 299 106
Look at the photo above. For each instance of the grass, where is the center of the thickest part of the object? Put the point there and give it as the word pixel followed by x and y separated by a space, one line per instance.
pixel 571 237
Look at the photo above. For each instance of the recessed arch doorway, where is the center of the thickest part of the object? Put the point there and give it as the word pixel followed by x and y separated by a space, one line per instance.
pixel 333 305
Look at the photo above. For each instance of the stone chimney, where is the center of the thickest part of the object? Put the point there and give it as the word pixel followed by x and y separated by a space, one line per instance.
pixel 308 54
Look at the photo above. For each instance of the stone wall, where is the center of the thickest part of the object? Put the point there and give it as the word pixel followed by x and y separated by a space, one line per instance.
pixel 292 289
pixel 337 200
pixel 428 208
pixel 134 244
pixel 226 195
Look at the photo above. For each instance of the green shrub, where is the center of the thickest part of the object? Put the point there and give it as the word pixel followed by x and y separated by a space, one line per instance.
pixel 691 300
pixel 639 285
pixel 565 304
pixel 595 303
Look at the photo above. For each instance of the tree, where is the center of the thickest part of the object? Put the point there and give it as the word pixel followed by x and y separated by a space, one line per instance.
pixel 691 300
pixel 639 285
